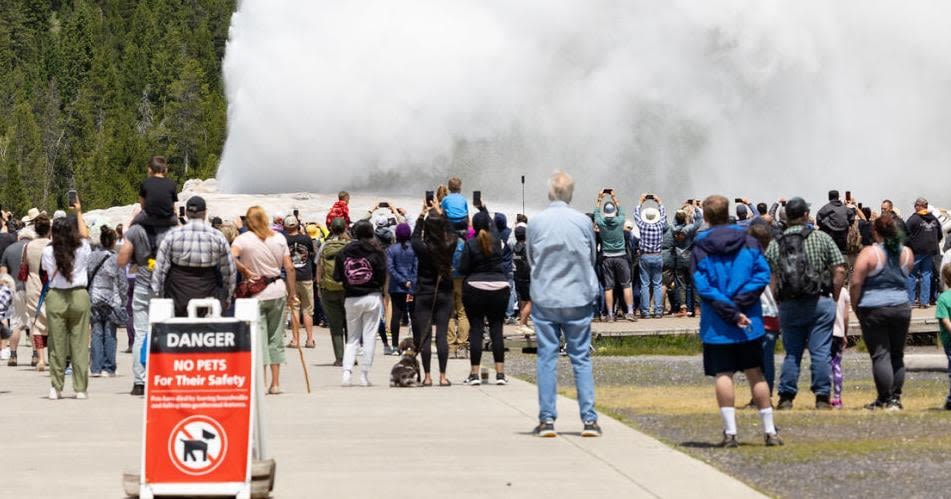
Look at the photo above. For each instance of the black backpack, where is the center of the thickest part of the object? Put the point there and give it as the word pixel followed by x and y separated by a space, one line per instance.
pixel 797 278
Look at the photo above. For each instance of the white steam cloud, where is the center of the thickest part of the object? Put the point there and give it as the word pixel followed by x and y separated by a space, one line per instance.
pixel 745 97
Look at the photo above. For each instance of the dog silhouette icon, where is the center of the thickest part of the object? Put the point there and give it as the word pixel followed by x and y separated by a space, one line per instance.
pixel 200 446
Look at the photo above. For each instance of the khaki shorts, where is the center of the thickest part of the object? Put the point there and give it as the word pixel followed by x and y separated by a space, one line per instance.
pixel 20 319
pixel 305 295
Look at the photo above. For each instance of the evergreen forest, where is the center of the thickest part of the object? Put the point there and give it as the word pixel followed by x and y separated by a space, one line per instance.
pixel 90 89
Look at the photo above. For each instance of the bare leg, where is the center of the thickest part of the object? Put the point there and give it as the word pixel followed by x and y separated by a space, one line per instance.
pixel 525 312
pixel 609 301
pixel 629 299
pixel 758 388
pixel 275 375
pixel 309 327
pixel 724 390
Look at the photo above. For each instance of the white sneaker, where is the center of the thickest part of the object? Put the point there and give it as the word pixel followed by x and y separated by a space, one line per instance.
pixel 364 380
pixel 5 354
pixel 95 375
pixel 346 379
pixel 54 395
pixel 81 396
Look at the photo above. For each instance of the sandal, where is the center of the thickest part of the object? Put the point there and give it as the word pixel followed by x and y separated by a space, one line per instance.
pixel 310 344
pixel 274 391
pixel 447 383
pixel 428 383
pixel 292 345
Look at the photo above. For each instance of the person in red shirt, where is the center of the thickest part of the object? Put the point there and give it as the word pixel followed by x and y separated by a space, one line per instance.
pixel 340 209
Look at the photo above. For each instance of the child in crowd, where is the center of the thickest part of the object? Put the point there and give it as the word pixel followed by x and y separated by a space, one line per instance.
pixel 943 314
pixel 454 205
pixel 7 289
pixel 157 196
pixel 760 231
pixel 840 340
pixel 340 209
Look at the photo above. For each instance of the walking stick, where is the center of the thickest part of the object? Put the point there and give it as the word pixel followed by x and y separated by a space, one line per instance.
pixel 303 364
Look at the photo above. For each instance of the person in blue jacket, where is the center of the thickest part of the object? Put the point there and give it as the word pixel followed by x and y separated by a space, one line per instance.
pixel 730 272
pixel 401 265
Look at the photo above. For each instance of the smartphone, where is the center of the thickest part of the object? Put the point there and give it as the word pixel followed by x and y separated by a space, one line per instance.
pixel 608 191
pixel 297 215
pixel 72 197
pixel 477 198
pixel 430 197
pixel 523 179
pixel 244 219
pixel 690 201
pixel 181 211
pixel 738 200
pixel 384 204
pixel 848 195
pixel 860 206
pixel 783 203
pixel 649 196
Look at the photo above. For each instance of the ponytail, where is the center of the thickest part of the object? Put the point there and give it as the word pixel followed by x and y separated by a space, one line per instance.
pixel 485 242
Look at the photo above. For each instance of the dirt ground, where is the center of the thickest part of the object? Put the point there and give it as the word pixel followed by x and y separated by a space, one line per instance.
pixel 851 452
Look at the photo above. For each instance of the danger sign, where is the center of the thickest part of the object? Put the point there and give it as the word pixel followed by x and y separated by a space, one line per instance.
pixel 198 403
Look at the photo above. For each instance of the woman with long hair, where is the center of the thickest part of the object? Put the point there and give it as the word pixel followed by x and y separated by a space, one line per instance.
pixel 260 254
pixel 485 293
pixel 108 289
pixel 434 242
pixel 401 265
pixel 880 299
pixel 65 262
pixel 361 267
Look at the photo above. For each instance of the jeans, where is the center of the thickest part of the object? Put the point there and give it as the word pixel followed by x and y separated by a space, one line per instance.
pixel 511 310
pixel 575 325
pixel 924 267
pixel 103 348
pixel 807 323
pixel 683 284
pixel 652 268
pixel 769 359
pixel 140 318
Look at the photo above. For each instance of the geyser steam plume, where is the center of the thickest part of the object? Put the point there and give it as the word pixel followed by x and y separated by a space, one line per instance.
pixel 684 98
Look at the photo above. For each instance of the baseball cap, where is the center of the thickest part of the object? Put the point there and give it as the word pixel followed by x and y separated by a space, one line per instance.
pixel 216 222
pixel 609 210
pixel 796 207
pixel 195 204
pixel 290 221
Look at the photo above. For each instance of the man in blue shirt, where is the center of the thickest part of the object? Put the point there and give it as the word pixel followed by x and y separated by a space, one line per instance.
pixel 730 273
pixel 561 253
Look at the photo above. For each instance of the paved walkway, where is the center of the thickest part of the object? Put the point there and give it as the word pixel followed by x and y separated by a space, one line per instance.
pixel 355 442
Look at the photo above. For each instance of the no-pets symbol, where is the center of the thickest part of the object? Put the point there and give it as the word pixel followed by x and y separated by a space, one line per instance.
pixel 197 445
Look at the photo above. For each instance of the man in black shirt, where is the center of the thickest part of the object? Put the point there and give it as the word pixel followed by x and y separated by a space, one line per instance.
pixel 303 255
pixel 835 219
pixel 924 232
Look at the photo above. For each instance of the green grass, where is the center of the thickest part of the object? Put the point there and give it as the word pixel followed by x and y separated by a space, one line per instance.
pixel 624 346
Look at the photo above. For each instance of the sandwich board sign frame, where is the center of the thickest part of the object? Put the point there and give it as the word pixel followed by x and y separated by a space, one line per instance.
pixel 202 423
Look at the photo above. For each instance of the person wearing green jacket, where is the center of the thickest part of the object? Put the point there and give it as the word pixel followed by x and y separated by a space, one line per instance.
pixel 615 264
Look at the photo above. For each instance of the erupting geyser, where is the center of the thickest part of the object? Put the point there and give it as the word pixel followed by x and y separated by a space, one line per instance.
pixel 754 97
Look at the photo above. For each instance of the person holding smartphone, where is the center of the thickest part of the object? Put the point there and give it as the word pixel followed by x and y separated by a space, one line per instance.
pixel 652 223
pixel 65 261
pixel 615 265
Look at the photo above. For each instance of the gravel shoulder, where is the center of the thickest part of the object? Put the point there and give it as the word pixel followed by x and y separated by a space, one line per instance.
pixel 850 453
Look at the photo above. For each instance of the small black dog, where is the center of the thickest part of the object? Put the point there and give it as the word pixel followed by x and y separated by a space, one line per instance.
pixel 406 372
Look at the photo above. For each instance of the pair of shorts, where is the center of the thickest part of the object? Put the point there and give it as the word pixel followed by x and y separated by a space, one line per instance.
pixel 305 296
pixel 617 271
pixel 732 357
pixel 523 290
pixel 21 315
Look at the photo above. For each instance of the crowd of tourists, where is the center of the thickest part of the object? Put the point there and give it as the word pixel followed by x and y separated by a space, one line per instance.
pixel 458 273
